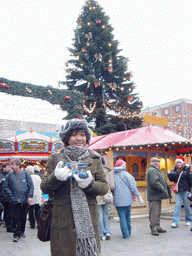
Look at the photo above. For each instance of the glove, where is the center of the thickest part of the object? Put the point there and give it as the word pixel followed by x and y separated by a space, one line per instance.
pixel 141 200
pixel 62 174
pixel 83 183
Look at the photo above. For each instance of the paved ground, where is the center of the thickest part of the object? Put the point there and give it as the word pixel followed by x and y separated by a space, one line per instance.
pixel 176 242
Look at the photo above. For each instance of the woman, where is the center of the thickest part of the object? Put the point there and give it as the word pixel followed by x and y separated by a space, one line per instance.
pixel 125 193
pixel 184 185
pixel 34 208
pixel 103 207
pixel 74 225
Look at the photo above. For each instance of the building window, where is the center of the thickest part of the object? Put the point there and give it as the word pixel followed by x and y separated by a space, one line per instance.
pixel 166 112
pixel 176 109
pixel 178 121
pixel 179 133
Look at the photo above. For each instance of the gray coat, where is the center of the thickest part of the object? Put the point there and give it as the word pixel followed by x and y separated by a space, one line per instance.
pixel 157 188
pixel 63 235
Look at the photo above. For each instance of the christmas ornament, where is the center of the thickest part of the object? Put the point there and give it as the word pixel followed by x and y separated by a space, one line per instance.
pixel 83 50
pixel 66 64
pixel 129 98
pixel 113 86
pixel 67 97
pixel 79 21
pixel 88 36
pixel 97 84
pixel 89 110
pixel 28 89
pixel 4 85
pixel 50 92
pixel 98 21
pixel 110 70
pixel 98 57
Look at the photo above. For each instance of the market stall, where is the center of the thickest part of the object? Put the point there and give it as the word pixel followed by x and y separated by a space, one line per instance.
pixel 137 146
pixel 31 148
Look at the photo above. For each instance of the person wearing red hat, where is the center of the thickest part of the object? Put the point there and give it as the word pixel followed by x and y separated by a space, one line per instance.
pixel 183 176
pixel 124 195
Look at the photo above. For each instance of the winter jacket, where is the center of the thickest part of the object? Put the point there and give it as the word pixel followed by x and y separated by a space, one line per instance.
pixel 110 181
pixel 185 182
pixel 157 188
pixel 125 187
pixel 37 190
pixel 63 234
pixel 3 196
pixel 18 187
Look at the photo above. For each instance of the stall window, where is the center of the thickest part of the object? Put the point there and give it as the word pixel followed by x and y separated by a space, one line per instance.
pixel 179 133
pixel 135 171
pixel 178 121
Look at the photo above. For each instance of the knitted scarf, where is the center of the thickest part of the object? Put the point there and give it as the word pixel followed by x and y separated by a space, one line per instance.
pixel 86 241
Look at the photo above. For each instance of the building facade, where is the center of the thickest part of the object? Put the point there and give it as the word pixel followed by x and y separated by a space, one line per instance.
pixel 178 113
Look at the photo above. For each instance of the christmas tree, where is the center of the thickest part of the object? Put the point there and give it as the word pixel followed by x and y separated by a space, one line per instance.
pixel 99 71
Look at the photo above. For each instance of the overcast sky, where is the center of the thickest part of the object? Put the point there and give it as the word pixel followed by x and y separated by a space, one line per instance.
pixel 154 34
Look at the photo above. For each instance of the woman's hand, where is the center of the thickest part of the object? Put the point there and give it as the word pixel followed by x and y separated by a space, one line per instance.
pixel 62 173
pixel 83 183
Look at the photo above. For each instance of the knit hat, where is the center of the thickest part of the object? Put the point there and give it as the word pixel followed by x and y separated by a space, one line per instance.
pixel 180 159
pixel 74 125
pixel 120 163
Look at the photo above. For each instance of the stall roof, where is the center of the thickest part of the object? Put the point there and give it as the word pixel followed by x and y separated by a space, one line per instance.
pixel 32 135
pixel 141 136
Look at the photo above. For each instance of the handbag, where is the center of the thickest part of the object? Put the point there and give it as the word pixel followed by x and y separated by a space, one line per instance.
pixel 175 185
pixel 108 198
pixel 44 223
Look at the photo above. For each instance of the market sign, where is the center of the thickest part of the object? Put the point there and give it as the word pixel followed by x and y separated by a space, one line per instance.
pixel 33 146
pixel 156 120
pixel 7 146
pixel 57 146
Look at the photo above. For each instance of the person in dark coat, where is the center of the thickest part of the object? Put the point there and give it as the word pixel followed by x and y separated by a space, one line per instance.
pixel 184 186
pixel 75 220
pixel 157 190
pixel 18 186
pixel 4 199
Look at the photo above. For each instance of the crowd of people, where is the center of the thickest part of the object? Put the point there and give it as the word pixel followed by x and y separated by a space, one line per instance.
pixel 80 213
pixel 20 194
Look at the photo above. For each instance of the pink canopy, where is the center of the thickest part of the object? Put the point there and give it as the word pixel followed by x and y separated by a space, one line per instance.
pixel 141 136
